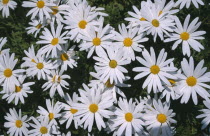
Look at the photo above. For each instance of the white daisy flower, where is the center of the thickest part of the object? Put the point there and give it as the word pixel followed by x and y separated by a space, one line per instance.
pixel 39 7
pixel 69 113
pixel 156 24
pixel 35 27
pixel 187 35
pixel 67 57
pixel 93 105
pixel 128 120
pixel 53 39
pixel 16 124
pixel 187 3
pixel 8 76
pixel 56 81
pixel 157 69
pixel 129 40
pixel 52 112
pixel 193 80
pixel 3 40
pixel 41 127
pixel 109 66
pixel 31 57
pixel 158 119
pixel 5 5
pixel 205 122
pixel 20 91
pixel 96 39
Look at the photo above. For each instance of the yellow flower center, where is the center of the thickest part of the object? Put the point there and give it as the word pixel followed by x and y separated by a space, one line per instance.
pixel 64 57
pixel 18 123
pixel 17 89
pixel 185 36
pixel 82 24
pixel 161 12
pixel 155 23
pixel 51 116
pixel 5 1
pixel 172 82
pixel 93 108
pixel 40 65
pixel 96 41
pixel 54 41
pixel 32 60
pixel 55 10
pixel 40 4
pixel 7 72
pixel 43 130
pixel 154 69
pixel 128 42
pixel 142 19
pixel 39 26
pixel 161 118
pixel 113 63
pixel 191 81
pixel 73 111
pixel 128 117
pixel 108 84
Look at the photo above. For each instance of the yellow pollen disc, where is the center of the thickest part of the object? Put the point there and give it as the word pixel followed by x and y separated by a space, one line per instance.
pixel 161 118
pixel 191 81
pixel 93 108
pixel 161 12
pixel 17 89
pixel 32 60
pixel 54 41
pixel 40 65
pixel 96 41
pixel 5 1
pixel 51 116
pixel 172 82
pixel 18 123
pixel 53 79
pixel 43 130
pixel 40 4
pixel 113 63
pixel 154 69
pixel 55 10
pixel 108 84
pixel 82 24
pixel 142 19
pixel 7 72
pixel 39 26
pixel 184 36
pixel 59 79
pixel 64 57
pixel 128 42
pixel 73 111
pixel 155 23
pixel 128 117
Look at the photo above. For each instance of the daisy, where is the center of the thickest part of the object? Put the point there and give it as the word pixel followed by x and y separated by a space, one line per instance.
pixel 96 40
pixel 31 57
pixel 41 127
pixel 69 113
pixel 187 3
pixel 109 66
pixel 52 40
pixel 8 76
pixel 39 7
pixel 67 57
pixel 16 124
pixel 52 112
pixel 187 35
pixel 193 80
pixel 205 122
pixel 5 5
pixel 56 81
pixel 156 24
pixel 3 40
pixel 128 120
pixel 93 105
pixel 157 69
pixel 158 119
pixel 129 40
pixel 20 91
pixel 35 27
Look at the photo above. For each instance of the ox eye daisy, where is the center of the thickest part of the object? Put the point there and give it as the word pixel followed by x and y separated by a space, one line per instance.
pixel 35 27
pixel 3 41
pixel 5 5
pixel 205 122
